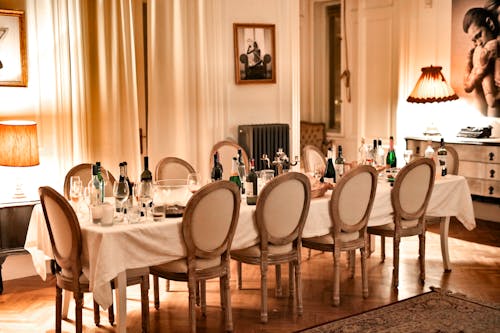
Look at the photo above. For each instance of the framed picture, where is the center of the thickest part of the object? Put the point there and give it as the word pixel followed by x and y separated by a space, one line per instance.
pixel 475 54
pixel 13 63
pixel 254 53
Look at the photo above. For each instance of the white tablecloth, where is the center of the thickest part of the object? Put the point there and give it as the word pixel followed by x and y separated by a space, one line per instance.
pixel 108 251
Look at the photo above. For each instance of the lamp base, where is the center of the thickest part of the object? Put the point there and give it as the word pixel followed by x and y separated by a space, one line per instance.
pixel 431 130
pixel 19 193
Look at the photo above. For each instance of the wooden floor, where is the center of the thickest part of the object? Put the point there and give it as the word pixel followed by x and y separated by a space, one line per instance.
pixel 27 304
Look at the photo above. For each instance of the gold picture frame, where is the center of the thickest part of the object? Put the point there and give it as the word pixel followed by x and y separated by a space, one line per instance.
pixel 13 62
pixel 254 53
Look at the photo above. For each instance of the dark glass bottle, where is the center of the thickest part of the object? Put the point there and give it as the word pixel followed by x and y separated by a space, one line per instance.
pixel 329 176
pixel 95 186
pixel 442 155
pixel 130 199
pixel 251 184
pixel 241 170
pixel 102 183
pixel 390 160
pixel 216 169
pixel 339 163
pixel 146 175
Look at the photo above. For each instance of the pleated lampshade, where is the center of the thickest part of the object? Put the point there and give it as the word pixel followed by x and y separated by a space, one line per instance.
pixel 18 143
pixel 432 87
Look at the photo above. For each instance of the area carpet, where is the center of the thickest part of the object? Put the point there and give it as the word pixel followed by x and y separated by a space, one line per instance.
pixel 435 311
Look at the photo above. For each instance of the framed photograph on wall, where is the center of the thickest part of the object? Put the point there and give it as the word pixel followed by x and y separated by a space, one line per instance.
pixel 254 53
pixel 13 62
pixel 475 54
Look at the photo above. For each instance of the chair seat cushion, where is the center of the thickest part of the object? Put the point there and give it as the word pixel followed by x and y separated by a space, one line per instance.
pixel 68 275
pixel 406 224
pixel 180 265
pixel 254 251
pixel 328 238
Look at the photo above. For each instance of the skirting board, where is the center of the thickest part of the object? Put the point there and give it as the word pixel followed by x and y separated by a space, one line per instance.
pixel 486 211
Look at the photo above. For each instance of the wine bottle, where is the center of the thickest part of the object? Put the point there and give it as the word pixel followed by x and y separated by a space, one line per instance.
pixel 362 153
pixel 102 183
pixel 130 200
pixel 442 155
pixel 251 184
pixel 235 177
pixel 329 176
pixel 95 187
pixel 380 153
pixel 146 175
pixel 146 189
pixel 241 170
pixel 390 160
pixel 339 163
pixel 216 173
pixel 121 183
pixel 429 151
pixel 373 153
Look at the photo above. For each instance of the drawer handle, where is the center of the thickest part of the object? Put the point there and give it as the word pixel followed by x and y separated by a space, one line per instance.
pixel 490 189
pixel 492 173
pixel 491 156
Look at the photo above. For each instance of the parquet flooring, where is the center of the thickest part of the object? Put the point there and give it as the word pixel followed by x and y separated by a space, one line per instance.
pixel 27 305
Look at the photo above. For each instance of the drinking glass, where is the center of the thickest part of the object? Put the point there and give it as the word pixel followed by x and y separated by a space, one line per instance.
pixel 121 193
pixel 75 189
pixel 407 155
pixel 144 195
pixel 319 170
pixel 193 182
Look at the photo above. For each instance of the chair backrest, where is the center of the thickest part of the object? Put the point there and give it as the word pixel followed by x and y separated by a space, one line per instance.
pixel 412 189
pixel 313 134
pixel 172 168
pixel 210 220
pixel 452 161
pixel 227 150
pixel 282 208
pixel 84 170
pixel 311 157
pixel 352 199
pixel 64 231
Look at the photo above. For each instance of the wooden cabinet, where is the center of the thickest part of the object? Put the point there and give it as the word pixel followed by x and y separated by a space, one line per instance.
pixel 14 221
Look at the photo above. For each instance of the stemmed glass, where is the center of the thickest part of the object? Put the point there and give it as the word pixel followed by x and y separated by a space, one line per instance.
pixel 76 192
pixel 193 182
pixel 121 193
pixel 145 196
pixel 407 155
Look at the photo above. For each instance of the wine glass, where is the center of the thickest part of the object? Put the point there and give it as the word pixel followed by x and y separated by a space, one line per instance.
pixel 407 155
pixel 121 193
pixel 193 182
pixel 144 193
pixel 75 193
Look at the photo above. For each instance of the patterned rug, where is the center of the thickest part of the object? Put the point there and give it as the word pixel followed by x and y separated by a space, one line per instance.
pixel 435 311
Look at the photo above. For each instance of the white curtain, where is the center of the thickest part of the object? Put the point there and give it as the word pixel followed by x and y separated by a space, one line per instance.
pixel 185 70
pixel 83 70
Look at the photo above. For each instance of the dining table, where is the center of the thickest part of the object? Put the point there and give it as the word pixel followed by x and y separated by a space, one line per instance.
pixel 108 251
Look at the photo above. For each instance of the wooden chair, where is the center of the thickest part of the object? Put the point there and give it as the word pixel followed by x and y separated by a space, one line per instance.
pixel 84 170
pixel 66 240
pixel 227 150
pixel 173 168
pixel 208 227
pixel 311 157
pixel 409 197
pixel 350 207
pixel 280 215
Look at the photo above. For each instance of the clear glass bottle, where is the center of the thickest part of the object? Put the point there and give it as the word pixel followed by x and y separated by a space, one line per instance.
pixel 241 170
pixel 362 152
pixel 95 187
pixel 442 155
pixel 102 183
pixel 373 153
pixel 235 177
pixel 429 151
pixel 216 173
pixel 380 153
pixel 390 160
pixel 339 163
pixel 130 200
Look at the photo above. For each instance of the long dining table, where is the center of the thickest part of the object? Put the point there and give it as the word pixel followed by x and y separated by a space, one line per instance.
pixel 109 251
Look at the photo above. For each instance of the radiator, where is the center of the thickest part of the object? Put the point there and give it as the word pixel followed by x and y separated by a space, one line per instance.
pixel 264 139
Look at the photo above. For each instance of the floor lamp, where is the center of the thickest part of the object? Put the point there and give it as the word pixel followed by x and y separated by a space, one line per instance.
pixel 432 87
pixel 18 148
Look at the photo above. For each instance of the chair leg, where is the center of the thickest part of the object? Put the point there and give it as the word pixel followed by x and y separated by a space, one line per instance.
pixel 364 275
pixel 279 289
pixel 58 309
pixel 144 303
pixel 352 263
pixel 228 314
pixel 222 289
pixel 336 277
pixel 167 285
pixel 111 314
pixel 308 253
pixel 78 311
pixel 298 284
pixel 421 250
pixel 192 285
pixel 97 315
pixel 203 297
pixel 66 299
pixel 382 248
pixel 291 279
pixel 263 291
pixel 395 272
pixel 156 291
pixel 240 283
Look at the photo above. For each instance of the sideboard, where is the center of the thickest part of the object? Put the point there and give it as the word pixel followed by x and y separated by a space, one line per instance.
pixel 479 162
pixel 14 220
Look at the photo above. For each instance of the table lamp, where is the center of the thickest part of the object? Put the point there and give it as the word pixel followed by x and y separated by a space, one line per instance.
pixel 432 87
pixel 18 147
